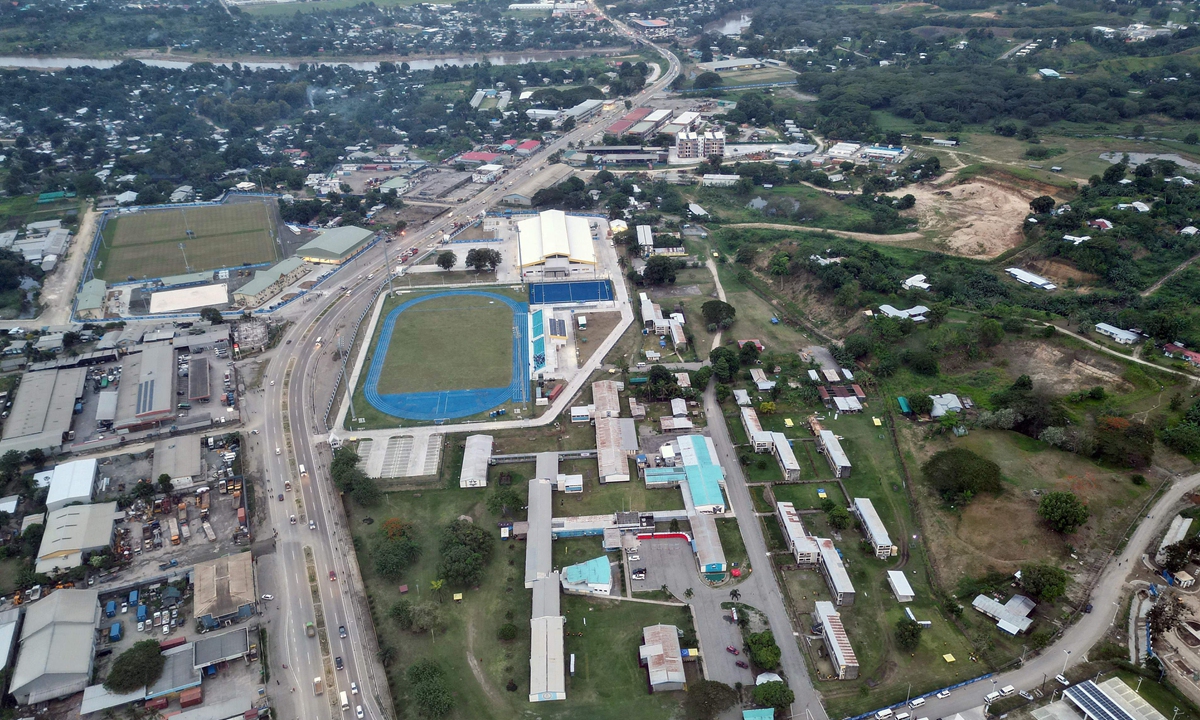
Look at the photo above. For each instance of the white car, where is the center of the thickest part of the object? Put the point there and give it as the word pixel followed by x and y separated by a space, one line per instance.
pixel 1062 680
pixel 634 558
pixel 358 712
pixel 272 383
pixel 353 688
pixel 943 695
pixel 268 597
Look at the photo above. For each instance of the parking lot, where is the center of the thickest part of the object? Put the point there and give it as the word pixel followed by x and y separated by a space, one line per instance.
pixel 670 562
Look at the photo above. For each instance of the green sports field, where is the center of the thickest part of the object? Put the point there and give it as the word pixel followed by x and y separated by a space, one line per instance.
pixel 146 244
pixel 449 343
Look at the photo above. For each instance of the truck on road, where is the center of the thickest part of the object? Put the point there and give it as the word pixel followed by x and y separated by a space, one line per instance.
pixel 310 629
pixel 318 686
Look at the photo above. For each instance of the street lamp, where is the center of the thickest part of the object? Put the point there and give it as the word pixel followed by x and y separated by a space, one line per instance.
pixel 1066 660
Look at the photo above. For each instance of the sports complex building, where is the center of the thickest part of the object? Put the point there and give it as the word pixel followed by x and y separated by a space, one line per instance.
pixel 554 245
pixel 336 245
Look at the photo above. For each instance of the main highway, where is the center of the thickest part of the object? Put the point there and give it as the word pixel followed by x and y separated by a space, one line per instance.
pixel 295 388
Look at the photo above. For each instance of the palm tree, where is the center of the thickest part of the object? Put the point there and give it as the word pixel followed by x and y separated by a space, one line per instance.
pixel 387 654
pixel 735 595
pixel 438 588
pixel 688 593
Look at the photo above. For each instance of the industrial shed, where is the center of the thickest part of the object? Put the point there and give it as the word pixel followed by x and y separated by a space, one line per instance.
pixel 476 456
pixel 57 646
pixel 73 533
pixel 178 458
pixel 71 483
pixel 224 589
pixel 336 245
pixel 146 394
pixel 42 410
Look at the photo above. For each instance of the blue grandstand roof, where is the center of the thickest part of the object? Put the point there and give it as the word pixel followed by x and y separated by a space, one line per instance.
pixel 536 315
pixel 593 572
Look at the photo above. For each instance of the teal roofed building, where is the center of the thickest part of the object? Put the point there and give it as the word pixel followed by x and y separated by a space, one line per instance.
pixel 336 245
pixel 593 577
pixel 704 473
pixel 759 714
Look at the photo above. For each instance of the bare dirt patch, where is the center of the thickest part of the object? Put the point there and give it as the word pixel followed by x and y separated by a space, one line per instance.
pixel 979 218
pixel 1061 272
pixel 1061 370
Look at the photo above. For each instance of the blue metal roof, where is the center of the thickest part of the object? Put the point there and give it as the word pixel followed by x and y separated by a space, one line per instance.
pixel 593 572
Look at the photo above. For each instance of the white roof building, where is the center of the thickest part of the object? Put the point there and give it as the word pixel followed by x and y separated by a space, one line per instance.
pixel 873 527
pixel 801 544
pixel 1028 278
pixel 1124 337
pixel 945 403
pixel 1175 533
pixel 476 457
pixel 57 646
pixel 555 235
pixel 71 482
pixel 900 586
pixel 916 282
pixel 1012 617
pixel 916 314
pixel 74 532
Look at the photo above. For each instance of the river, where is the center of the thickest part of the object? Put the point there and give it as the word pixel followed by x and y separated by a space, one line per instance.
pixel 418 63
pixel 730 24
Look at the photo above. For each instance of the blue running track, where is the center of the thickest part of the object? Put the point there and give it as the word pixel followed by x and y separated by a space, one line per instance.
pixel 580 291
pixel 450 404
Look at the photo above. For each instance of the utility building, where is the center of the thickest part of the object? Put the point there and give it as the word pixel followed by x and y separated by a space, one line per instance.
pixel 476 457
pixel 662 658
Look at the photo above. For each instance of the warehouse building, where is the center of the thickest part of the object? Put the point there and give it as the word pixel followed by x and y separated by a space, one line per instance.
pixel 547 663
pixel 593 577
pixel 802 545
pixel 828 444
pixel 179 459
pixel 73 533
pixel 476 457
pixel 336 245
pixel 58 642
pixel 270 282
pixel 837 642
pixel 662 658
pixel 10 625
pixel 834 571
pixel 42 410
pixel 555 244
pixel 224 590
pixel 71 483
pixel 146 395
pixel 901 588
pixel 873 528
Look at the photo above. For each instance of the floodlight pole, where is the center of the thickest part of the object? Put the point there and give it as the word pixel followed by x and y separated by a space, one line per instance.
pixel 186 266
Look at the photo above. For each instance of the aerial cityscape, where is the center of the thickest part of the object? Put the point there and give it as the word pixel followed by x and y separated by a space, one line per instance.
pixel 722 360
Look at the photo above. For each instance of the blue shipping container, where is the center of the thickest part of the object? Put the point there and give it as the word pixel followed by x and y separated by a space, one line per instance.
pixel 110 609
pixel 133 596
pixel 114 632
pixel 141 613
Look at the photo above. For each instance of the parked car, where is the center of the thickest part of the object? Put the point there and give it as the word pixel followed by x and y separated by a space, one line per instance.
pixel 943 695
pixel 732 650
pixel 337 661
pixel 341 631
pixel 634 558
pixel 1062 680
pixel 268 597
pixel 1026 695
pixel 741 664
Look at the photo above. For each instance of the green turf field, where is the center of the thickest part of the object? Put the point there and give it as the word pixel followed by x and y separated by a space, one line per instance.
pixel 146 244
pixel 450 343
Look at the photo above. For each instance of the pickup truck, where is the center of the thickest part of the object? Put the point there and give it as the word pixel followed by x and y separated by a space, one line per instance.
pixel 310 629
pixel 170 564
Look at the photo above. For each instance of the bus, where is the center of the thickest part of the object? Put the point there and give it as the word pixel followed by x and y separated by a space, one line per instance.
pixel 345 701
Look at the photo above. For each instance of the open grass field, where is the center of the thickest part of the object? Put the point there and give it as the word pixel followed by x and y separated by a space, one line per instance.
pixel 451 343
pixel 607 685
pixel 146 244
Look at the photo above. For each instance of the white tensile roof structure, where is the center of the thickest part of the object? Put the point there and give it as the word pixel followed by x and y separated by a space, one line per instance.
pixel 553 234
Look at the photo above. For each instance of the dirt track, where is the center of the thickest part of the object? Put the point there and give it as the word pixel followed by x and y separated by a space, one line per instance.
pixel 865 237
pixel 59 289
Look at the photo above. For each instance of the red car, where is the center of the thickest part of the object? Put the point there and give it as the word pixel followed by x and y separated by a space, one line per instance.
pixel 332 575
pixel 732 649
pixel 741 664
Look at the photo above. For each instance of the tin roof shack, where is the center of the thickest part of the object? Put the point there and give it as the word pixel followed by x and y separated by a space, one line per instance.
pixel 1012 617
pixel 837 642
pixel 476 457
pixel 873 528
pixel 662 658
pixel 224 590
pixel 58 642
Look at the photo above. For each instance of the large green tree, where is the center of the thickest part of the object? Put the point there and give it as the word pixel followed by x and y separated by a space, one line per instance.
pixel 137 667
pixel 1044 582
pixel 1064 511
pixel 958 474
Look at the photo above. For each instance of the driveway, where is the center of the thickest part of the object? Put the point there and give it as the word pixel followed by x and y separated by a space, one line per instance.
pixel 670 562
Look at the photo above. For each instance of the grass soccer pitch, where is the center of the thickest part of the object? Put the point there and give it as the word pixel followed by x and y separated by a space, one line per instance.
pixel 457 342
pixel 146 244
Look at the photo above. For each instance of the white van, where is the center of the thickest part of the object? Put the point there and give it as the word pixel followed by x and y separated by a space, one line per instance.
pixel 883 714
pixel 916 703
pixel 1007 690
pixel 345 701
pixel 902 716
pixel 991 698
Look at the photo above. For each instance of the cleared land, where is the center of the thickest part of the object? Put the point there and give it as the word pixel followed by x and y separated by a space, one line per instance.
pixel 146 244
pixel 452 343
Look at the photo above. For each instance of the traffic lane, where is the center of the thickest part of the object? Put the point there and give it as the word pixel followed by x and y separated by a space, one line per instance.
pixel 671 562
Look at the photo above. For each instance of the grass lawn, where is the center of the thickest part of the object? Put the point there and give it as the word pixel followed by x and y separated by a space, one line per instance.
pixel 600 499
pixel 606 683
pixel 10 569
pixel 146 244
pixel 731 542
pixel 754 317
pixel 455 342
